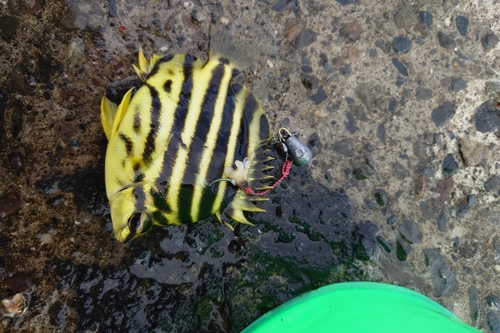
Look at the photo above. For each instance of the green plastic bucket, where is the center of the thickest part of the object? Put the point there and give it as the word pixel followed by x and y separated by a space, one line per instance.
pixel 360 307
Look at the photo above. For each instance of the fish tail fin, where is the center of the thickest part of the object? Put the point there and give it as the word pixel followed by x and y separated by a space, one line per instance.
pixel 242 50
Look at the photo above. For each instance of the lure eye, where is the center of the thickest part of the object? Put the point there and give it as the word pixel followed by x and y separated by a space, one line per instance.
pixel 134 223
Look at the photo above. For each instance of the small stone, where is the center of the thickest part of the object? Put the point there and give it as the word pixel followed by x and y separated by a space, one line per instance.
pixel 458 84
pixel 351 31
pixel 446 41
pixel 392 219
pixel 10 202
pixel 344 147
pixel 491 183
pixel 399 81
pixel 441 221
pixel 363 93
pixel 487 118
pixel 471 201
pixel 401 252
pixel 360 174
pixel 474 305
pixel 17 120
pixel 319 97
pixel 372 53
pixel 443 113
pixel 386 246
pixel 400 67
pixel 423 93
pixel 23 7
pixel 423 29
pixel 67 21
pixel 493 301
pixel 462 24
pixel 429 212
pixel 18 283
pixel 19 80
pixel 76 47
pixel 314 143
pixel 493 322
pixel 309 81
pixel 380 132
pixel 350 123
pixel 401 171
pixel 370 204
pixel 291 32
pixel 405 17
pixel 410 232
pixel 282 5
pixel 305 38
pixel 198 17
pixel 8 26
pixel 112 11
pixel 493 88
pixel 425 17
pixel 380 198
pixel 345 70
pixel 306 69
pixel 472 152
pixel 16 161
pixel 489 40
pixel 450 166
pixel 444 188
pixel 401 45
pixel 443 279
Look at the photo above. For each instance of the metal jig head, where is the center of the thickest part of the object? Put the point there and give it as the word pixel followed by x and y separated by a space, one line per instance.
pixel 300 153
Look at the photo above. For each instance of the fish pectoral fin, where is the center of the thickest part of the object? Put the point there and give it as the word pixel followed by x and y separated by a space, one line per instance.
pixel 111 115
pixel 108 112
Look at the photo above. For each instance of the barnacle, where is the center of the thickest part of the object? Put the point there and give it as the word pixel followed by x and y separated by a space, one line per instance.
pixel 15 306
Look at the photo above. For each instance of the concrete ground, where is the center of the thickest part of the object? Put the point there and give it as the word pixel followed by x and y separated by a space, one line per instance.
pixel 397 99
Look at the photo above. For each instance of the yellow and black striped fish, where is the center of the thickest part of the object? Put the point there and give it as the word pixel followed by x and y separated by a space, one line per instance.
pixel 182 132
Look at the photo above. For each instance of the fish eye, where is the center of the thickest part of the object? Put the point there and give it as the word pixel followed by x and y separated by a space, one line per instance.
pixel 134 223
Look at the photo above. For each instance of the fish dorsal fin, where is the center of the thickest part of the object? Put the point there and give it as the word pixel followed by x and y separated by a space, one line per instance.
pixel 145 67
pixel 112 115
pixel 239 47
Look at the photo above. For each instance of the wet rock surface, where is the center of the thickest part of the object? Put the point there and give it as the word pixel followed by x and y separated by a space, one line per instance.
pixel 398 100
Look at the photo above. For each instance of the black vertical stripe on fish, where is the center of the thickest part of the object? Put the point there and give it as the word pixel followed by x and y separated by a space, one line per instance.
pixel 249 109
pixel 170 155
pixel 219 154
pixel 150 145
pixel 185 199
pixel 140 198
pixel 205 122
pixel 129 145
pixel 264 128
pixel 155 69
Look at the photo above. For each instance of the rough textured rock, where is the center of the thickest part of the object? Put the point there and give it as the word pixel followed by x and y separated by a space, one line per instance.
pixel 444 280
